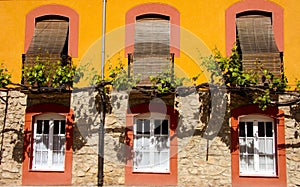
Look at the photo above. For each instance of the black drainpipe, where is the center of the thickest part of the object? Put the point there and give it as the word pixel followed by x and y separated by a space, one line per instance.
pixel 102 100
pixel 101 136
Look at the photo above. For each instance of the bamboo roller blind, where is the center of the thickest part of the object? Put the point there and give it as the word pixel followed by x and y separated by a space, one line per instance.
pixel 49 40
pixel 151 46
pixel 257 43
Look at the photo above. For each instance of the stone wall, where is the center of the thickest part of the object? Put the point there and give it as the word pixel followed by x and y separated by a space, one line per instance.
pixel 114 147
pixel 11 139
pixel 202 161
pixel 292 142
pixel 85 139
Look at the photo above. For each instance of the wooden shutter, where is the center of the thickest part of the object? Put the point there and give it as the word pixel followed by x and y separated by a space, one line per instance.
pixel 257 43
pixel 49 41
pixel 151 46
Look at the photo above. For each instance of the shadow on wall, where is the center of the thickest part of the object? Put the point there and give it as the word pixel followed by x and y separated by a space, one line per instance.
pixel 15 136
pixel 87 109
pixel 211 121
pixel 294 114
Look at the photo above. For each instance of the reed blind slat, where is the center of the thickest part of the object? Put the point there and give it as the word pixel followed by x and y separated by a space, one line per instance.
pixel 151 47
pixel 256 38
pixel 49 36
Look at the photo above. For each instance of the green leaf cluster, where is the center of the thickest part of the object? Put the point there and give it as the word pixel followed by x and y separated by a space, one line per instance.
pixel 4 77
pixel 49 74
pixel 228 71
pixel 64 75
pixel 165 82
pixel 119 79
pixel 36 75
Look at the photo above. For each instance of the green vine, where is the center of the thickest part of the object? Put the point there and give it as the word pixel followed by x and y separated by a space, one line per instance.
pixel 228 70
pixel 36 75
pixel 165 82
pixel 43 74
pixel 4 77
pixel 118 77
pixel 64 75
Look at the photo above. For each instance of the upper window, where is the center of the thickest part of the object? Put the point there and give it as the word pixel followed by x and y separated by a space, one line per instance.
pixel 50 40
pixel 257 146
pixel 151 144
pixel 49 137
pixel 151 45
pixel 255 38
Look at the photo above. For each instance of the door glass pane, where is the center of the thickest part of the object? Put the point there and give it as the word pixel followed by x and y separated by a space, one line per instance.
pixel 46 127
pixel 39 127
pixel 269 146
pixel 242 132
pixel 164 160
pixel 157 159
pixel 165 127
pixel 249 129
pixel 147 126
pixel 138 142
pixel 161 143
pixel 270 163
pixel 262 162
pixel 38 157
pixel 45 144
pixel 146 143
pixel 56 142
pixel 250 145
pixel 261 145
pixel 145 159
pixel 139 126
pixel 242 145
pixel 250 162
pixel 62 126
pixel 55 156
pixel 56 127
pixel 261 129
pixel 157 124
pixel 44 157
pixel 243 162
pixel 269 129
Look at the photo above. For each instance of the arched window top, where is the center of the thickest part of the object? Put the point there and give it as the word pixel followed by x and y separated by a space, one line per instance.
pixel 164 11
pixel 254 13
pixel 258 117
pixel 51 17
pixel 54 10
pixel 149 115
pixel 152 16
pixel 247 6
pixel 46 116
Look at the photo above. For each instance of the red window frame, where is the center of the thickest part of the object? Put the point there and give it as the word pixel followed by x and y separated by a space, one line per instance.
pixel 144 178
pixel 253 5
pixel 31 177
pixel 59 10
pixel 153 8
pixel 278 116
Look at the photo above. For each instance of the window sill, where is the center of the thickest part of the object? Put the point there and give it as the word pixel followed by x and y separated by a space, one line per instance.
pixel 257 175
pixel 150 172
pixel 47 170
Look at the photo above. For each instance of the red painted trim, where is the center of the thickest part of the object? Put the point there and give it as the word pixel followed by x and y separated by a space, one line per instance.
pixel 153 8
pixel 280 179
pixel 159 179
pixel 30 177
pixel 54 10
pixel 252 5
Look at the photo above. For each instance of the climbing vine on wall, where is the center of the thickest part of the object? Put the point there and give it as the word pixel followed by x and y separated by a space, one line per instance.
pixel 5 77
pixel 228 71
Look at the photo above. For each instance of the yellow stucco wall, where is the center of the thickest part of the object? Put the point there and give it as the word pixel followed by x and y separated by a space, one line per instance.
pixel 202 24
